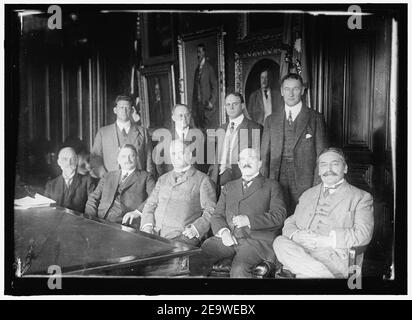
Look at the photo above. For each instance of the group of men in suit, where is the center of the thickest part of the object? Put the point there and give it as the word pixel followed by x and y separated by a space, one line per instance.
pixel 258 176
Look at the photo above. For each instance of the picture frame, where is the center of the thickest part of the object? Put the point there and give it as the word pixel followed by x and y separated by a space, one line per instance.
pixel 158 95
pixel 187 50
pixel 158 38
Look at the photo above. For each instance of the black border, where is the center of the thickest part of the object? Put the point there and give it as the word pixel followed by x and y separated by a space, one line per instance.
pixel 38 286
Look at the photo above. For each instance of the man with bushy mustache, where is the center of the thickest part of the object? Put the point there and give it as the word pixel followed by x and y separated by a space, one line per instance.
pixel 248 217
pixel 329 219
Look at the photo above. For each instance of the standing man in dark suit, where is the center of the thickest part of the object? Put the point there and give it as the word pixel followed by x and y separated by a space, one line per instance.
pixel 293 137
pixel 204 90
pixel 70 189
pixel 248 217
pixel 121 191
pixel 110 138
pixel 265 100
pixel 232 137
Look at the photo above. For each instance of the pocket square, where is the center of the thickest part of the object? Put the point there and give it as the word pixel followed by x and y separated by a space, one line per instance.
pixel 308 135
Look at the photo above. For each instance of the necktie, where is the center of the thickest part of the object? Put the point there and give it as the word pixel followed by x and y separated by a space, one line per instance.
pixel 232 127
pixel 326 191
pixel 290 120
pixel 266 93
pixel 246 184
pixel 178 176
pixel 124 133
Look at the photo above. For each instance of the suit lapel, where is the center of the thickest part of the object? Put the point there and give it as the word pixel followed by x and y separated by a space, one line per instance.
pixel 134 133
pixel 236 195
pixel 113 137
pixel 301 122
pixel 220 143
pixel 73 186
pixel 130 180
pixel 310 208
pixel 277 132
pixel 60 184
pixel 255 186
pixel 113 182
pixel 340 194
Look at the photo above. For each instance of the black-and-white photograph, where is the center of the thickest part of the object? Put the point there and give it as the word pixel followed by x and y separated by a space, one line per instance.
pixel 299 187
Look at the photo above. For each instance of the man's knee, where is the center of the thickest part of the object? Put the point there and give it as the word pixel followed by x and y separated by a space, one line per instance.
pixel 280 244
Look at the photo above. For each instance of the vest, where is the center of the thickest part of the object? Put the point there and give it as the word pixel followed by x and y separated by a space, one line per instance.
pixel 324 207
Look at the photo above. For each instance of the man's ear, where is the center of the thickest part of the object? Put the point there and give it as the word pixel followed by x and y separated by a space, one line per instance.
pixel 345 171
pixel 114 110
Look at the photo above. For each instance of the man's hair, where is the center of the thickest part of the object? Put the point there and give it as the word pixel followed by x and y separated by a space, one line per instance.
pixel 236 94
pixel 181 105
pixel 202 45
pixel 129 146
pixel 124 98
pixel 293 76
pixel 336 150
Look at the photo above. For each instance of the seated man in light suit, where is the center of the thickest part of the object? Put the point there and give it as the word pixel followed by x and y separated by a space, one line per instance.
pixel 121 191
pixel 70 189
pixel 329 219
pixel 182 202
pixel 249 215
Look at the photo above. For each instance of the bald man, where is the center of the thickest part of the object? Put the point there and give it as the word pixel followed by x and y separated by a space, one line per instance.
pixel 70 189
pixel 248 217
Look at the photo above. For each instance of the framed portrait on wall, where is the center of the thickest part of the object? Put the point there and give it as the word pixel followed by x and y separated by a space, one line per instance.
pixel 158 40
pixel 157 92
pixel 202 76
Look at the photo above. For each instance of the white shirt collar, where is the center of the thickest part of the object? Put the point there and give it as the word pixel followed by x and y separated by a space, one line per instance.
pixel 333 185
pixel 129 172
pixel 202 62
pixel 182 170
pixel 69 177
pixel 180 132
pixel 267 90
pixel 237 121
pixel 251 178
pixel 125 126
pixel 295 110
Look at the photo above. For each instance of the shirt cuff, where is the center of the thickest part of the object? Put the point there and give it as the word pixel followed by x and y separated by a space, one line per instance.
pixel 293 233
pixel 145 225
pixel 219 233
pixel 197 232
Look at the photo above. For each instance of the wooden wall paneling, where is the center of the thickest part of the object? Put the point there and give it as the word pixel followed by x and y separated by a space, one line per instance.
pixel 55 102
pixel 63 95
pixel 47 102
pixel 358 107
pixel 72 99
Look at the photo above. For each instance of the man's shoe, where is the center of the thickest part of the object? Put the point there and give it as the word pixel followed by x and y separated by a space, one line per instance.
pixel 264 269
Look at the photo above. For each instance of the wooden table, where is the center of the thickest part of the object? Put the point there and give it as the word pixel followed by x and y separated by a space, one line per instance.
pixel 82 245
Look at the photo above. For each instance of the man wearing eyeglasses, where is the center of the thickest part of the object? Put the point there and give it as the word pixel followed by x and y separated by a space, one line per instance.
pixel 182 129
pixel 232 137
pixel 110 138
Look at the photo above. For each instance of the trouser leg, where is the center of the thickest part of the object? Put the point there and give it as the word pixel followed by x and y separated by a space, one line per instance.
pixel 213 250
pixel 297 260
pixel 246 258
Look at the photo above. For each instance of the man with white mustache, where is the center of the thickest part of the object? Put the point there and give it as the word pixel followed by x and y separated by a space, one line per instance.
pixel 330 218
pixel 70 189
